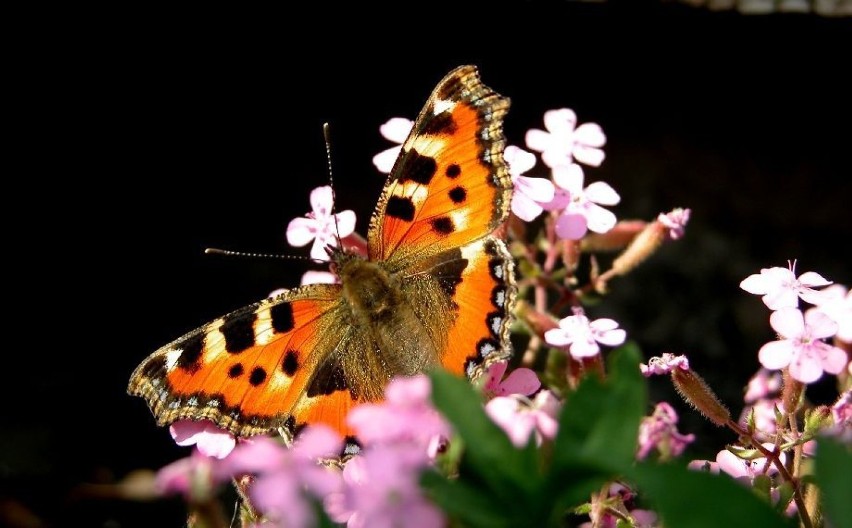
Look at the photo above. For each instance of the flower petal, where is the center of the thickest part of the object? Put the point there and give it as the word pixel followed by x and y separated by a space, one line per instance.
pixel 317 441
pixel 539 189
pixel 560 121
pixel 582 348
pixel 820 325
pixel 590 156
pixel 300 231
pixel 834 359
pixel 590 135
pixel 518 159
pixel 599 220
pixel 385 159
pixel 524 207
pixel 569 177
pixel 538 140
pixel 520 381
pixel 805 369
pixel 612 337
pixel 345 223
pixel 322 200
pixel 775 354
pixel 788 322
pixel 557 337
pixel 396 129
pixel 755 283
pixel 571 226
pixel 813 279
pixel 602 193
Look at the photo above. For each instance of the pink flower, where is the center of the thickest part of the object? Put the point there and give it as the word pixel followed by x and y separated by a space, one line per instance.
pixel 285 478
pixel 519 417
pixel 836 302
pixel 664 364
pixel 581 337
pixel 746 469
pixel 396 129
pixel 781 289
pixel 659 431
pixel 801 347
pixel 381 489
pixel 581 208
pixel 529 193
pixel 194 477
pixel 520 381
pixel 320 225
pixel 562 143
pixel 675 220
pixel 405 416
pixel 209 439
pixel 764 415
pixel 762 384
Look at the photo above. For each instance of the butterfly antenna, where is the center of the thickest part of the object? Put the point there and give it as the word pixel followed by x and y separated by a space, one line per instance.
pixel 326 132
pixel 229 253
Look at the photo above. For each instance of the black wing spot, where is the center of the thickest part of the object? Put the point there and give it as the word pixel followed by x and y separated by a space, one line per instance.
pixel 440 124
pixel 291 363
pixel 443 225
pixel 402 208
pixel 236 370
pixel 257 376
pixel 418 168
pixel 190 357
pixel 282 317
pixel 458 195
pixel 329 379
pixel 453 171
pixel 239 332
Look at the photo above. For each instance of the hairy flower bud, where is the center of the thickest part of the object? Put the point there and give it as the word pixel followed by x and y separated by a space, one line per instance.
pixel 642 247
pixel 697 393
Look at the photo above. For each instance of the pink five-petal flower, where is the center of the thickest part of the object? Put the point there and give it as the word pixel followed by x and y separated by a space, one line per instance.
pixel 520 381
pixel 286 478
pixel 381 489
pixel 405 416
pixel 780 287
pixel 746 469
pixel 664 364
pixel 675 220
pixel 395 129
pixel 659 431
pixel 581 208
pixel 581 336
pixel 564 141
pixel 209 439
pixel 320 225
pixel 836 302
pixel 529 193
pixel 801 346
pixel 519 417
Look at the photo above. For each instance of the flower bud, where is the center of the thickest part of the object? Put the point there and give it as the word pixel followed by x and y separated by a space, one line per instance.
pixel 697 393
pixel 642 247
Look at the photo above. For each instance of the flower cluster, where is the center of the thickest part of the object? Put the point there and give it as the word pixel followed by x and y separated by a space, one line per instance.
pixel 567 406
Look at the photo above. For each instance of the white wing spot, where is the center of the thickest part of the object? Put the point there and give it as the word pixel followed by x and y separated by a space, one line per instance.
pixel 442 106
pixel 486 349
pixel 498 271
pixel 496 323
pixel 500 298
pixel 171 358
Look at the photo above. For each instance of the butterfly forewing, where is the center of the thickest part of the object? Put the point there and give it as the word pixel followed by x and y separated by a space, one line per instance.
pixel 450 185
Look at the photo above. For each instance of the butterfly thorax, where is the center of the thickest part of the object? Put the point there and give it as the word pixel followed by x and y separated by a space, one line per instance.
pixel 398 341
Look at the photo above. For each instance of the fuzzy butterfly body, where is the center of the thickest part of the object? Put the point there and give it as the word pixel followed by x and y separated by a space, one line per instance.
pixel 435 289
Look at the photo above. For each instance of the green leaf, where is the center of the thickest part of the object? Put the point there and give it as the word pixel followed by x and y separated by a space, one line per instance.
pixel 833 466
pixel 598 430
pixel 696 499
pixel 599 423
pixel 471 505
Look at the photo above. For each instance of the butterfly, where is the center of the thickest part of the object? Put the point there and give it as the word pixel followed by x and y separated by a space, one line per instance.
pixel 436 289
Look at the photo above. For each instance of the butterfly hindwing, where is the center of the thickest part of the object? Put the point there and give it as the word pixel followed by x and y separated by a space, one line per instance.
pixel 450 185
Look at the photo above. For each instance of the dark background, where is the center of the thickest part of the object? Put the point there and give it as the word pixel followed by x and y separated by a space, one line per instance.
pixel 141 141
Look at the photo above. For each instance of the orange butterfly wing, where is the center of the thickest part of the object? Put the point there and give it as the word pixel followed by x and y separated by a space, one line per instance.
pixel 251 370
pixel 312 353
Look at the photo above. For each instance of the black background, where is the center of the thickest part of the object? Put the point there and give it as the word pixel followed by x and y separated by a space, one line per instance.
pixel 141 141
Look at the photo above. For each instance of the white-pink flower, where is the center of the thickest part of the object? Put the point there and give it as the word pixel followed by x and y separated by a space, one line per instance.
pixel 762 385
pixel 529 193
pixel 675 220
pixel 519 417
pixel 319 277
pixel 582 336
pixel 320 225
pixel 746 469
pixel 581 208
pixel 781 289
pixel 836 302
pixel 801 346
pixel 205 435
pixel 520 381
pixel 664 364
pixel 564 141
pixel 659 432
pixel 395 129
